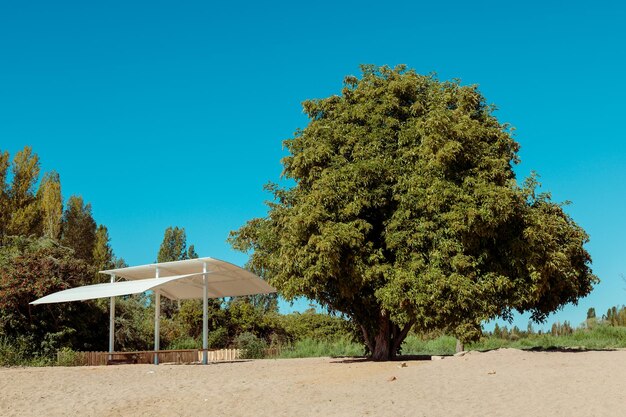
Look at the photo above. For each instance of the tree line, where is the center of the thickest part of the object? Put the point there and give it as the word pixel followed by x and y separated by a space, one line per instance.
pixel 48 243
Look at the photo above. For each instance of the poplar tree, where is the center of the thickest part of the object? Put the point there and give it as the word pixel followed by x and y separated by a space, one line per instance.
pixel 24 215
pixel 404 213
pixel 79 229
pixel 4 193
pixel 173 248
pixel 51 205
pixel 102 252
pixel 174 245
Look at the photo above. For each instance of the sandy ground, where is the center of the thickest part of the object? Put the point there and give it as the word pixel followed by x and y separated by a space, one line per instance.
pixel 505 382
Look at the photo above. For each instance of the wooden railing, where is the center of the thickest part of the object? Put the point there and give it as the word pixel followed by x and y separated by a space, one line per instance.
pixel 180 356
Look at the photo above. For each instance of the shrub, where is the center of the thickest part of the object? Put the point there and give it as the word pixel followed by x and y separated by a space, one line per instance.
pixel 251 346
pixel 312 348
pixel 69 357
pixel 185 342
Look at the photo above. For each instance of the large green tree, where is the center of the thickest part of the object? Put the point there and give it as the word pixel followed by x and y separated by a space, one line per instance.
pixel 405 213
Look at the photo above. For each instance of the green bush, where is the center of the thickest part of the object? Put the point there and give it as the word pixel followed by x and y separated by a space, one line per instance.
pixel 218 338
pixel 10 353
pixel 415 345
pixel 185 342
pixel 15 353
pixel 313 325
pixel 313 348
pixel 251 346
pixel 69 357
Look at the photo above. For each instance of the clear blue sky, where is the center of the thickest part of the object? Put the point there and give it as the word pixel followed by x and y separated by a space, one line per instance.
pixel 167 113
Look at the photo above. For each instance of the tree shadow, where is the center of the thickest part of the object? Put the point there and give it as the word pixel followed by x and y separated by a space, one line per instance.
pixel 563 349
pixel 399 358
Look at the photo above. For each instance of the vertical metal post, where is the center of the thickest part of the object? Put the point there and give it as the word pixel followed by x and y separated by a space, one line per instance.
pixel 157 324
pixel 205 316
pixel 112 322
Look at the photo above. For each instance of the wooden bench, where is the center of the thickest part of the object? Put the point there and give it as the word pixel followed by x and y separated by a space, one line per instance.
pixel 127 359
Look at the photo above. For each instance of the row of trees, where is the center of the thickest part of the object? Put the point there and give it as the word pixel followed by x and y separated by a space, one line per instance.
pixel 34 209
pixel 614 317
pixel 46 246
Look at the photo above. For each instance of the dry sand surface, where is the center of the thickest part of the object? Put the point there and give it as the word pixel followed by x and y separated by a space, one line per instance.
pixel 505 382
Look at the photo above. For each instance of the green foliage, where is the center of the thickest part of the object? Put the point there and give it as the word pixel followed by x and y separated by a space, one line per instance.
pixel 442 345
pixel 31 268
pixel 174 245
pixel 191 252
pixel 247 314
pixel 405 213
pixel 68 357
pixel 11 354
pixel 23 217
pixel 185 342
pixel 218 338
pixel 173 248
pixel 4 194
pixel 314 326
pixel 79 229
pixel 251 346
pixel 600 337
pixel 51 202
pixel 591 313
pixel 311 348
pixel 615 316
pixel 134 322
pixel 102 252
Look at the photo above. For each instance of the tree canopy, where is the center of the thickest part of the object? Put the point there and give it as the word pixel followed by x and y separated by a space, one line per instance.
pixel 405 213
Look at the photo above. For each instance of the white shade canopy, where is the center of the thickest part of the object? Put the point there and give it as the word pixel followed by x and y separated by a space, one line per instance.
pixel 110 289
pixel 179 280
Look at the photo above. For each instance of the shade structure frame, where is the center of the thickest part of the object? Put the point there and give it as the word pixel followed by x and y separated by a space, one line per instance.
pixel 194 278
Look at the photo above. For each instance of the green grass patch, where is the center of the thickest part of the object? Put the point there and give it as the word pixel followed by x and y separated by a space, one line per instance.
pixel 597 337
pixel 12 354
pixel 415 345
pixel 312 348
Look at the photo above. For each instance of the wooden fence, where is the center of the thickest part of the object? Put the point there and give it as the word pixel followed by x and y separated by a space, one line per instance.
pixel 182 356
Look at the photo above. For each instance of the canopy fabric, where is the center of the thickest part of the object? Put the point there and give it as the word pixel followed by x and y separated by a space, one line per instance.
pixel 179 280
pixel 110 289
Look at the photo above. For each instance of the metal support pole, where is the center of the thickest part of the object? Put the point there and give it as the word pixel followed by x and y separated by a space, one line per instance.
pixel 205 316
pixel 157 324
pixel 112 322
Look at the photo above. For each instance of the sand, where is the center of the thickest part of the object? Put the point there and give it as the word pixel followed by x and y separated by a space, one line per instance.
pixel 504 382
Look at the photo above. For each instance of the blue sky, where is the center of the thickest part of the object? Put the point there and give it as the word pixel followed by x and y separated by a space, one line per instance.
pixel 172 113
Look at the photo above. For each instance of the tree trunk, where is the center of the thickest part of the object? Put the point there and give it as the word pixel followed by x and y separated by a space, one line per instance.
pixel 385 343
